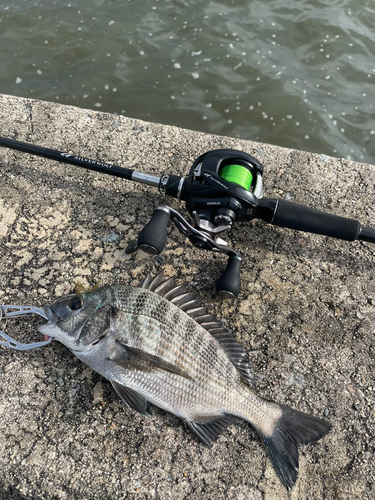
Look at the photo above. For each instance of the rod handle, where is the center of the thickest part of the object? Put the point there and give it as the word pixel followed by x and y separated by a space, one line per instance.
pixel 294 216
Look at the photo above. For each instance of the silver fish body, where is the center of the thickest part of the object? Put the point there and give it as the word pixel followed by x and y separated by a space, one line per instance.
pixel 157 345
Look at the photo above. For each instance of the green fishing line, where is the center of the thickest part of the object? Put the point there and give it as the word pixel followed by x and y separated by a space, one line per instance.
pixel 238 175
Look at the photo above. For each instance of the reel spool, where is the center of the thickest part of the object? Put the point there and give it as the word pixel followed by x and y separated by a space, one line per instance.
pixel 223 186
pixel 237 174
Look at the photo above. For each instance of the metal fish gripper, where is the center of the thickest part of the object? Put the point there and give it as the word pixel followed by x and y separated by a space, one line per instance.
pixel 11 311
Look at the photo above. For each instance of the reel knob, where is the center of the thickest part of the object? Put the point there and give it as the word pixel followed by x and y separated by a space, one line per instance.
pixel 153 237
pixel 229 283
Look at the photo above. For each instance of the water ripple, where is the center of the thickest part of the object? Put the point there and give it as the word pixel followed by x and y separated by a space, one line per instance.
pixel 297 73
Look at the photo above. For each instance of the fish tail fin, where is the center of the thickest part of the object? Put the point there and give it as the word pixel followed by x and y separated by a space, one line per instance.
pixel 292 430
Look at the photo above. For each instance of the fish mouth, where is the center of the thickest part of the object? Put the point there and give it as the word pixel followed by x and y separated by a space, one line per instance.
pixel 52 319
pixel 52 328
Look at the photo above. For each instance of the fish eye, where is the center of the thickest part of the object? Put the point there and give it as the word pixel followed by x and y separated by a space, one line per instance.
pixel 76 303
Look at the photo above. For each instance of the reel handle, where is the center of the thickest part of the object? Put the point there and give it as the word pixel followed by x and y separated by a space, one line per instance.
pixel 153 237
pixel 229 283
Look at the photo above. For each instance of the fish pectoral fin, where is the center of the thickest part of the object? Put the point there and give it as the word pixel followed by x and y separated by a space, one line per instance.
pixel 132 399
pixel 146 362
pixel 207 432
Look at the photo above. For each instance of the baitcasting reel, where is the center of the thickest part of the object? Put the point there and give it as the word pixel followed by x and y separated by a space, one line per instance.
pixel 223 186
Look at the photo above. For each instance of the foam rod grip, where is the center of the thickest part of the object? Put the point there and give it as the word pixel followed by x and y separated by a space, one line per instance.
pixel 294 216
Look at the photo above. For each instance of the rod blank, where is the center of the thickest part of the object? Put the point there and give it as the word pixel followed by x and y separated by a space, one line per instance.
pixel 71 159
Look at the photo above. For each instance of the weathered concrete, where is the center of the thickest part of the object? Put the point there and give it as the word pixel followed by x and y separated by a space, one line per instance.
pixel 307 308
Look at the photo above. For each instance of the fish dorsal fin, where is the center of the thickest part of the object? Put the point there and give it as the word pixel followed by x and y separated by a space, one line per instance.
pixel 186 301
pixel 166 288
pixel 236 353
pixel 151 283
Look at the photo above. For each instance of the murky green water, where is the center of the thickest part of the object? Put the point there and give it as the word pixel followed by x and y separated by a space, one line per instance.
pixel 296 73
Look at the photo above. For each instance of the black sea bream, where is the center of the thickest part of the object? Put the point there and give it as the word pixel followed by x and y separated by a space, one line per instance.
pixel 156 344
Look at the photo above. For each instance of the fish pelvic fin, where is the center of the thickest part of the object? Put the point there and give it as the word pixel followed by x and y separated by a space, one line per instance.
pixel 132 399
pixel 292 430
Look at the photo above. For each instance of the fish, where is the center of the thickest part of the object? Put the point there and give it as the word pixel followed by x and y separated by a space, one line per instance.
pixel 157 345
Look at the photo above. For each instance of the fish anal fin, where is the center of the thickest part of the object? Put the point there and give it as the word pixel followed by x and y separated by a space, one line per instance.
pixel 209 431
pixel 144 361
pixel 132 399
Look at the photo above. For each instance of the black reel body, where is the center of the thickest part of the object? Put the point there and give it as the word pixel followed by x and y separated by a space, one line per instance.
pixel 223 186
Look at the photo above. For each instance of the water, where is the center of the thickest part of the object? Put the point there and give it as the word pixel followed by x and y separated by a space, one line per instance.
pixel 295 73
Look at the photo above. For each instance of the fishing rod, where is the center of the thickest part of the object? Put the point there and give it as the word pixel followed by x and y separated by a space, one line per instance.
pixel 223 186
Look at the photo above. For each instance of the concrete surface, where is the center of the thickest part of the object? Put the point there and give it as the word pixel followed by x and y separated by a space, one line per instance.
pixel 306 311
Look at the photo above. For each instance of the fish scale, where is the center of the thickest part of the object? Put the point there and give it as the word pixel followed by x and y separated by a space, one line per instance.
pixel 193 355
pixel 176 326
pixel 157 345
